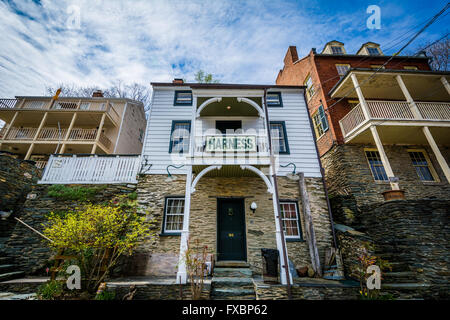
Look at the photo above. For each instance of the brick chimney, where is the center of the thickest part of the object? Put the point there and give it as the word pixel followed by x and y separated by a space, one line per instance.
pixel 178 81
pixel 97 94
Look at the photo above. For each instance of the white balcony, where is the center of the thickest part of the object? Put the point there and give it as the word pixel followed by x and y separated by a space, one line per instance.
pixel 91 169
pixel 394 113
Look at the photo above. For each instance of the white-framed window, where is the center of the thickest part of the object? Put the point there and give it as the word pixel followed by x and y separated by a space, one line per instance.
pixel 424 168
pixel 376 165
pixel 373 51
pixel 309 87
pixel 183 97
pixel 291 221
pixel 173 215
pixel 336 50
pixel 342 69
pixel 320 122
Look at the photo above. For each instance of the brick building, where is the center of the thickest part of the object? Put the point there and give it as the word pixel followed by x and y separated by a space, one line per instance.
pixel 379 132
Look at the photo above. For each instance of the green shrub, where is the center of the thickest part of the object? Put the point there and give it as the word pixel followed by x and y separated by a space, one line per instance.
pixel 105 295
pixel 50 290
pixel 132 196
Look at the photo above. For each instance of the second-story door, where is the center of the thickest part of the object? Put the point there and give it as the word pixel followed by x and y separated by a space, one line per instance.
pixel 225 125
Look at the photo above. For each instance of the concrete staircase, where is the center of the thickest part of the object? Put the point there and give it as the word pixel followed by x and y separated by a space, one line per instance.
pixel 232 283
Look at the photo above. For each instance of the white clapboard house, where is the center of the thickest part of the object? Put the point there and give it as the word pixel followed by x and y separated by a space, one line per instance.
pixel 228 166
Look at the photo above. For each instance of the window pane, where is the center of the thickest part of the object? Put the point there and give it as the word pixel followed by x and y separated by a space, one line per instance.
pixel 373 51
pixel 422 167
pixel 273 99
pixel 277 134
pixel 183 97
pixel 336 50
pixel 376 166
pixel 180 137
pixel 290 219
pixel 342 69
pixel 174 214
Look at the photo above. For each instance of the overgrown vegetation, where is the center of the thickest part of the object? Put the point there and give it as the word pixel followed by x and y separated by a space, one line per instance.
pixel 51 290
pixel 98 235
pixel 365 259
pixel 76 193
pixel 195 259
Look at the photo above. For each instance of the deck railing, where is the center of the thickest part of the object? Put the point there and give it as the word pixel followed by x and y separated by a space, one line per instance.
pixel 52 134
pixel 394 110
pixel 82 134
pixel 8 103
pixel 21 133
pixel 91 169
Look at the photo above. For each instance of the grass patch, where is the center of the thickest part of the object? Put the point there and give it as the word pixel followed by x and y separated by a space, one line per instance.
pixel 62 192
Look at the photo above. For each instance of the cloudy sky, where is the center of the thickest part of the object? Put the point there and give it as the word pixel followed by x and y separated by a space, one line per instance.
pixel 98 41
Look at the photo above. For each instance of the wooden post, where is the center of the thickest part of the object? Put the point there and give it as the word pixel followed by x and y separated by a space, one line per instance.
pixel 362 100
pixel 309 227
pixel 445 83
pixel 10 124
pixel 409 98
pixel 99 132
pixel 384 158
pixel 437 153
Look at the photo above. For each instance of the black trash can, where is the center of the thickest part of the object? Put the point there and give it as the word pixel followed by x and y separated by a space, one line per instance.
pixel 270 261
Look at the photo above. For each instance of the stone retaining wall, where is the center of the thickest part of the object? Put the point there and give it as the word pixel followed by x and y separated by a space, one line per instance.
pixel 16 179
pixel 28 250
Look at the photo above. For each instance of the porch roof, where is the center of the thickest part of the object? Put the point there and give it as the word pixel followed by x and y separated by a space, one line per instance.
pixel 424 85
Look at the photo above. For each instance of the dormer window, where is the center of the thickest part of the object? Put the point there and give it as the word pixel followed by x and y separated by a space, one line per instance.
pixel 274 99
pixel 373 51
pixel 183 98
pixel 336 50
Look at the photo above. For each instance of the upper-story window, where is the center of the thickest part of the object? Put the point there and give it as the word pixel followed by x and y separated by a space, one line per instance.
pixel 320 122
pixel 373 51
pixel 376 165
pixel 423 166
pixel 410 68
pixel 309 87
pixel 274 99
pixel 336 50
pixel 279 137
pixel 180 136
pixel 342 69
pixel 183 98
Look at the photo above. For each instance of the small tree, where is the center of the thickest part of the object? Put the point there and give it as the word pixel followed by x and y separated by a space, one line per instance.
pixel 98 235
pixel 203 77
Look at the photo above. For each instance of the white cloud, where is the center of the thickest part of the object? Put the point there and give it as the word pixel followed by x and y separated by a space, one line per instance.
pixel 143 41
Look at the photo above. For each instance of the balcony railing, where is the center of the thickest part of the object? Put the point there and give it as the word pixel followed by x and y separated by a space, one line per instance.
pixel 82 134
pixel 393 110
pixel 90 169
pixel 61 105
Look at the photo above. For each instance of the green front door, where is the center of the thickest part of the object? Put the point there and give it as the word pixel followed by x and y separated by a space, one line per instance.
pixel 231 243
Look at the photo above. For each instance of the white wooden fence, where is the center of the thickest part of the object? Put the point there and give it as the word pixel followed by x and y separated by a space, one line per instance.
pixel 91 169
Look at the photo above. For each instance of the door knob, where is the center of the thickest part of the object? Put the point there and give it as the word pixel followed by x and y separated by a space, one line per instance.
pixel 231 235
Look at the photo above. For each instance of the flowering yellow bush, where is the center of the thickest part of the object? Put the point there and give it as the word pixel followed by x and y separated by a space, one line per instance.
pixel 98 235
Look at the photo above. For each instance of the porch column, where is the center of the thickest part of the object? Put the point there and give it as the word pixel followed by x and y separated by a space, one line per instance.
pixel 384 159
pixel 72 123
pixel 446 84
pixel 99 132
pixel 279 239
pixel 437 153
pixel 30 149
pixel 182 273
pixel 10 125
pixel 409 98
pixel 362 100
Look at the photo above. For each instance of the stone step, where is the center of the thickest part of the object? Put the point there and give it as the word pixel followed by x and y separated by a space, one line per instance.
pixel 232 293
pixel 399 277
pixel 404 286
pixel 249 297
pixel 233 272
pixel 11 275
pixel 232 282
pixel 231 264
pixel 5 260
pixel 4 268
pixel 399 266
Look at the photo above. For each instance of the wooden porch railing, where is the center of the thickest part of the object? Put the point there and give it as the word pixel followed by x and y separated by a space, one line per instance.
pixel 91 169
pixel 52 134
pixel 8 103
pixel 82 134
pixel 394 110
pixel 21 133
pixel 104 140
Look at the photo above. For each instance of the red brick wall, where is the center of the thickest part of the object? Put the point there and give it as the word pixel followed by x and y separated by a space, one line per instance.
pixel 324 76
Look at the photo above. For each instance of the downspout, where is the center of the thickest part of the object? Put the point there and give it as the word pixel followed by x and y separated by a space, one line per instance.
pixel 275 190
pixel 322 172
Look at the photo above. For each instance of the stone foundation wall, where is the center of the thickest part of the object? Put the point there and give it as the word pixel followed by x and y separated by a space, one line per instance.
pixel 16 179
pixel 28 250
pixel 348 173
pixel 161 258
